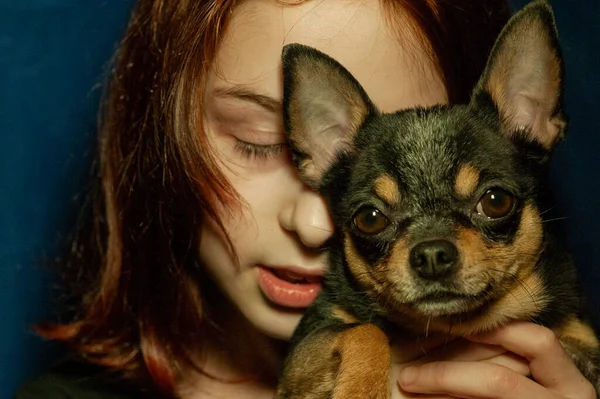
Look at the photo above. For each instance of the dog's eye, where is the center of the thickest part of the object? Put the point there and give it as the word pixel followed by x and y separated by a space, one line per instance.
pixel 495 203
pixel 370 221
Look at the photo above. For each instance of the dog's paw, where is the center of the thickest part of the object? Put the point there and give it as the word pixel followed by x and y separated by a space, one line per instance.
pixel 311 368
pixel 586 359
pixel 349 364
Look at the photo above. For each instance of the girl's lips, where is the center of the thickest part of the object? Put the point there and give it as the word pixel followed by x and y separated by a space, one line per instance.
pixel 299 292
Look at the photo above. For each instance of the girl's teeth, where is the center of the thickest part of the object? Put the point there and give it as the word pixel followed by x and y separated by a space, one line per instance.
pixel 290 276
pixel 295 277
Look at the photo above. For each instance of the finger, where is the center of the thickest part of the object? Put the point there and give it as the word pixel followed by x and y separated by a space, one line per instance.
pixel 400 394
pixel 465 351
pixel 409 395
pixel 406 351
pixel 549 364
pixel 459 349
pixel 472 380
pixel 514 362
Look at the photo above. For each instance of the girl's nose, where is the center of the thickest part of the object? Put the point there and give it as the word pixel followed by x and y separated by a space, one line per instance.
pixel 307 215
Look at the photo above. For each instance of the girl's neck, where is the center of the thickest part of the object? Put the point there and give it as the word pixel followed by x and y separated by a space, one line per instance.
pixel 234 355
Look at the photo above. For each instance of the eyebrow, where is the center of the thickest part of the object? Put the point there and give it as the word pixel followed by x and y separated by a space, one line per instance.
pixel 243 93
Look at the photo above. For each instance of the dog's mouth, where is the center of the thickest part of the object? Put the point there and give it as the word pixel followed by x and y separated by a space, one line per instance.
pixel 451 302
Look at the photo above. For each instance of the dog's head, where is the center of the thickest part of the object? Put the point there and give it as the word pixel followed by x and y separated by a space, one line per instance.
pixel 438 208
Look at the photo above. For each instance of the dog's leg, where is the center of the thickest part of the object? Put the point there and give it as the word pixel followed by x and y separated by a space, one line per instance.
pixel 365 364
pixel 580 342
pixel 340 362
pixel 311 368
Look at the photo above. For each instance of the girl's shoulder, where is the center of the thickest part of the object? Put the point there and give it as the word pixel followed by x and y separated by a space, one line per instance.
pixel 78 380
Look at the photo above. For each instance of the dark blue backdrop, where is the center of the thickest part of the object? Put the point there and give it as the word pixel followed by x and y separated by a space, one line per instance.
pixel 53 54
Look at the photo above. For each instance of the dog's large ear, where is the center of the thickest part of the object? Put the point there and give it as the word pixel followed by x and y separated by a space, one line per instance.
pixel 525 76
pixel 323 108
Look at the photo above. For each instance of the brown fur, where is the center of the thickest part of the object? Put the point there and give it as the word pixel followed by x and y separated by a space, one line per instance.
pixel 467 179
pixel 503 262
pixel 376 279
pixel 387 189
pixel 365 365
pixel 352 364
pixel 320 355
pixel 343 315
pixel 522 301
pixel 580 342
pixel 579 330
pixel 360 269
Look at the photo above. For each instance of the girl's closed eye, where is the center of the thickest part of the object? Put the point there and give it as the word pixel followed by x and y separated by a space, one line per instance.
pixel 254 151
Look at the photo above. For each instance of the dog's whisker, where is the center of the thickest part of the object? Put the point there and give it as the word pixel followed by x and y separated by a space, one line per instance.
pixel 424 351
pixel 525 288
pixel 319 228
pixel 547 210
pixel 554 219
pixel 449 334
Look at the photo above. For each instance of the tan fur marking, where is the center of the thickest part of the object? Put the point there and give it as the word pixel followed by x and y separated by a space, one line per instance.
pixel 395 271
pixel 387 189
pixel 342 314
pixel 365 367
pixel 467 180
pixel 354 363
pixel 399 255
pixel 359 267
pixel 580 331
pixel 312 368
pixel 374 279
pixel 517 259
pixel 520 303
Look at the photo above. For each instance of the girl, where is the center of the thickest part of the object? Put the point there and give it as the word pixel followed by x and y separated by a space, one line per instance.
pixel 204 245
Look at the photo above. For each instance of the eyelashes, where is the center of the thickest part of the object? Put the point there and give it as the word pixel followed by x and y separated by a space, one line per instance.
pixel 254 151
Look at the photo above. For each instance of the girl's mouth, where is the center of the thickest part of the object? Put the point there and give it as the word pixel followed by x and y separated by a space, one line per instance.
pixel 288 288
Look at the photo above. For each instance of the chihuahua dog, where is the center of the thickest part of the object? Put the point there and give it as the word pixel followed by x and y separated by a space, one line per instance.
pixel 438 213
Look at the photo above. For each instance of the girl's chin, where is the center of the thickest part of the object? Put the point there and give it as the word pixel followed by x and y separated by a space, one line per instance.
pixel 275 321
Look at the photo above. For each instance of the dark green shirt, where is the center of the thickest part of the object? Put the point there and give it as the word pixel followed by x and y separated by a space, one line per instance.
pixel 76 380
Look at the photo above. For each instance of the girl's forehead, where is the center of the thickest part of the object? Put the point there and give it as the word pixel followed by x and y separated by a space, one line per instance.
pixel 391 64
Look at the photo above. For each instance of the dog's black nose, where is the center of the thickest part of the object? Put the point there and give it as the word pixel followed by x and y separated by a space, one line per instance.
pixel 433 260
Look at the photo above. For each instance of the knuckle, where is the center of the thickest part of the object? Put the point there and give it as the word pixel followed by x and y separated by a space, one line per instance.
pixel 503 380
pixel 588 391
pixel 548 341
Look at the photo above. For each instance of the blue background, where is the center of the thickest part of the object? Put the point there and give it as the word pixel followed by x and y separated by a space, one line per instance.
pixel 53 60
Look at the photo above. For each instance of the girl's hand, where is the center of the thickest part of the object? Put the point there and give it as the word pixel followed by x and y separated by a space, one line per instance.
pixel 539 354
pixel 458 350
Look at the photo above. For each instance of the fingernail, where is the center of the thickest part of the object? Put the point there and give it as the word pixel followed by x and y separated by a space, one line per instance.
pixel 408 376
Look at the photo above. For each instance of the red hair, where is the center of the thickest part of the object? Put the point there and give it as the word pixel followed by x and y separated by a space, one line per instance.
pixel 133 264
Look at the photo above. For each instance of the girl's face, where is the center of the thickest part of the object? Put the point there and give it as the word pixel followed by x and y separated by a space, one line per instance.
pixel 280 230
